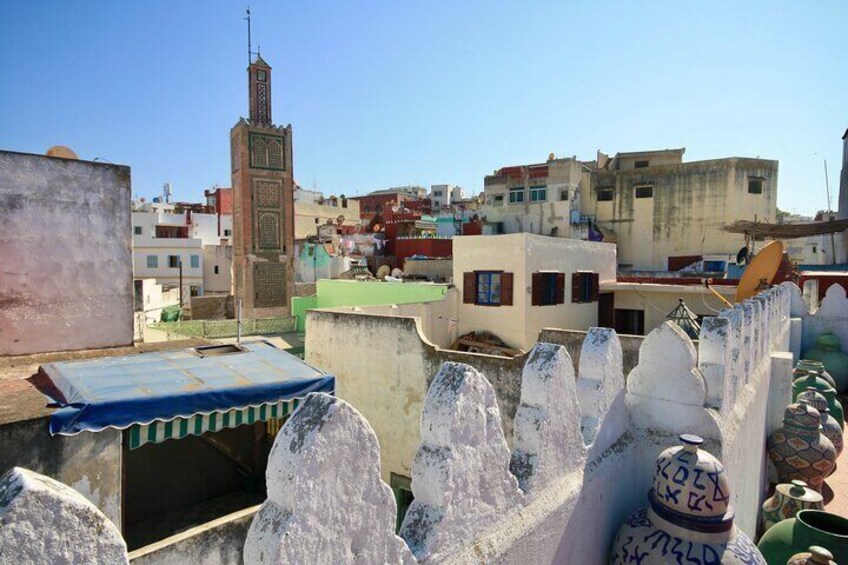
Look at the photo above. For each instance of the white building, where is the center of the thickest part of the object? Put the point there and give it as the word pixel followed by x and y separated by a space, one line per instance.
pixel 309 215
pixel 216 234
pixel 813 249
pixel 514 285
pixel 445 194
pixel 161 242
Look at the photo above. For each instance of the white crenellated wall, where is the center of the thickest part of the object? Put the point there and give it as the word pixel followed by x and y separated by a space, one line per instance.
pixel 584 444
pixel 45 521
pixel 830 316
pixel 582 457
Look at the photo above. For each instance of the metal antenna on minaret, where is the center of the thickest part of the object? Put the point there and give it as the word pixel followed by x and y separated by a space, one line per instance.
pixel 250 52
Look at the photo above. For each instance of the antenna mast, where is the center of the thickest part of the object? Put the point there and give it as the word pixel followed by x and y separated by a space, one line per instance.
pixel 827 186
pixel 250 52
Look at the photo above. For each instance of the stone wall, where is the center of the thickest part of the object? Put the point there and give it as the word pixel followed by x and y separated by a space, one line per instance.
pixel 65 243
pixel 89 462
pixel 383 366
pixel 829 317
pixel 573 340
pixel 581 455
pixel 583 443
pixel 219 542
pixel 213 307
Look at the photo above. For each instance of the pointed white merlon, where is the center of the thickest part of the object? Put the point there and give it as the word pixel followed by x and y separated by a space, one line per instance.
pixel 326 501
pixel 460 474
pixel 45 521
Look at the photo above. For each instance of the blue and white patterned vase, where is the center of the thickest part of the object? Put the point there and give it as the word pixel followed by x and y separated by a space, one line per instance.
pixel 689 519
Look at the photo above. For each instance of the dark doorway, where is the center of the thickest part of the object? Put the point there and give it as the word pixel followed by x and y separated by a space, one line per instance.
pixel 606 310
pixel 630 322
pixel 181 483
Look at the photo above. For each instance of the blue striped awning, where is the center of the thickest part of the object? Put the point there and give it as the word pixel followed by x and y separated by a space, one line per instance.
pixel 178 428
pixel 161 395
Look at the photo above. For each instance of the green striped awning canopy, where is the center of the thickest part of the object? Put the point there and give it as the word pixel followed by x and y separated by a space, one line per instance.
pixel 158 431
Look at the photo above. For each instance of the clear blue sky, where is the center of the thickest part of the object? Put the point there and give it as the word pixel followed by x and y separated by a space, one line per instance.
pixel 388 93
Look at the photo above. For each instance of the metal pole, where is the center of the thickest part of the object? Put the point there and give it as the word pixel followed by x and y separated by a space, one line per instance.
pixel 829 209
pixel 827 186
pixel 180 264
pixel 238 322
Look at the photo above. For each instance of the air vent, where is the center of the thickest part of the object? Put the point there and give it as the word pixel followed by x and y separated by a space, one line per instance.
pixel 218 350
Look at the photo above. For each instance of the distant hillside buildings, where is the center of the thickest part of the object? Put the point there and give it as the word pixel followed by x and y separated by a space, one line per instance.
pixel 660 211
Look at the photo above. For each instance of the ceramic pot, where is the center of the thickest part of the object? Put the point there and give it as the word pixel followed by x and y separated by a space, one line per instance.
pixel 799 450
pixel 815 380
pixel 689 518
pixel 828 350
pixel 808 527
pixel 804 366
pixel 830 427
pixel 815 556
pixel 787 500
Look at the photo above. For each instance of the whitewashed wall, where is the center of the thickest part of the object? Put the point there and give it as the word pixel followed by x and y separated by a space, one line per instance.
pixel 583 443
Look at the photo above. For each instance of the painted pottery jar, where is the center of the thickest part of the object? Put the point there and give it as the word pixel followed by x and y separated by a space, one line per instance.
pixel 787 500
pixel 815 555
pixel 807 528
pixel 830 427
pixel 828 350
pixel 804 366
pixel 689 518
pixel 814 379
pixel 799 450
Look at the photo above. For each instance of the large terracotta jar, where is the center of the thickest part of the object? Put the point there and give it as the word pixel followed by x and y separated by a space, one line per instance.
pixel 689 518
pixel 830 427
pixel 814 556
pixel 788 500
pixel 814 379
pixel 807 528
pixel 828 350
pixel 799 450
pixel 804 366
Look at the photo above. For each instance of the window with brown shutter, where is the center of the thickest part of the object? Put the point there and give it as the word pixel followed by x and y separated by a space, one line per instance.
pixel 487 288
pixel 469 288
pixel 536 297
pixel 595 290
pixel 560 288
pixel 585 287
pixel 548 288
pixel 506 289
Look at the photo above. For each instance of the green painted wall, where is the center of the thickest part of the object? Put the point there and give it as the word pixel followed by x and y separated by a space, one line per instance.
pixel 299 306
pixel 335 293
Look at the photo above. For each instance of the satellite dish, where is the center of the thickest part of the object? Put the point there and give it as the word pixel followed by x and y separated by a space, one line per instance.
pixel 61 151
pixel 760 271
pixel 742 256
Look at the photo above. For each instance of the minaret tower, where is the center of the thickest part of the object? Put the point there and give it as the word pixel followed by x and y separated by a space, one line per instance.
pixel 263 204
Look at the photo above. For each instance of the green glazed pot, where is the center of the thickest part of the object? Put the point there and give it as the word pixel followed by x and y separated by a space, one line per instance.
pixel 804 366
pixel 828 350
pixel 814 380
pixel 808 527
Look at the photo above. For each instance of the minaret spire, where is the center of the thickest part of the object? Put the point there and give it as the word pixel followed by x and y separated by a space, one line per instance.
pixel 250 52
pixel 258 84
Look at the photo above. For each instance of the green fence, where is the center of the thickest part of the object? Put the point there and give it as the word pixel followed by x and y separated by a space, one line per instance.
pixel 214 329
